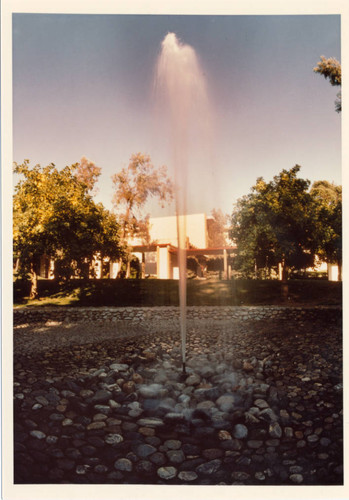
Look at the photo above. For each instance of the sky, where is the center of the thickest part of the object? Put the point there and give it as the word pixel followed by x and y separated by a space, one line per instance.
pixel 83 85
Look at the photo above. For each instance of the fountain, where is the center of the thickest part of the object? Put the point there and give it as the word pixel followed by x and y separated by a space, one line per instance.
pixel 181 85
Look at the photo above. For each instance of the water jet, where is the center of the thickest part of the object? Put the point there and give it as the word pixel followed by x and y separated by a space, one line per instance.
pixel 180 84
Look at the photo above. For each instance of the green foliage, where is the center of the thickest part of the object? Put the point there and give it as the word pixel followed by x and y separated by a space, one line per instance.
pixel 331 69
pixel 328 197
pixel 55 216
pixel 275 224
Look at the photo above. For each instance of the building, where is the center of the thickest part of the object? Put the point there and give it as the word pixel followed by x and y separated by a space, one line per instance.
pixel 160 258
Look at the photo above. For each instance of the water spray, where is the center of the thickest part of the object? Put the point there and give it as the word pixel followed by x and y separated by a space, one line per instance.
pixel 181 85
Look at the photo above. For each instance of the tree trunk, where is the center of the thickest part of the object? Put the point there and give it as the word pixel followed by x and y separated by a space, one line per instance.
pixel 143 266
pixel 128 269
pixel 17 265
pixel 34 283
pixel 284 283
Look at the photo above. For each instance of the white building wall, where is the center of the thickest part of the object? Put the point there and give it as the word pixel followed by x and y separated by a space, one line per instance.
pixel 332 272
pixel 163 264
pixel 164 230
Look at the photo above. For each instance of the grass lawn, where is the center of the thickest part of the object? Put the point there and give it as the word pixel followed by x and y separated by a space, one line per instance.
pixel 165 293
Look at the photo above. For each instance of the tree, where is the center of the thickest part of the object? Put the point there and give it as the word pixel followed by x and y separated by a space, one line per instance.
pixel 134 185
pixel 87 173
pixel 253 235
pixel 329 219
pixel 216 228
pixel 331 69
pixel 54 216
pixel 108 241
pixel 275 224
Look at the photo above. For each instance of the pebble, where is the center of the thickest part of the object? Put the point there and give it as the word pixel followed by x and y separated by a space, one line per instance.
pixel 226 402
pixel 275 430
pixel 240 431
pixel 175 456
pixel 210 427
pixel 209 468
pixel 296 478
pixel 113 439
pixel 239 476
pixel 254 444
pixel 261 403
pixel 144 450
pixel 187 475
pixel 123 464
pixel 167 473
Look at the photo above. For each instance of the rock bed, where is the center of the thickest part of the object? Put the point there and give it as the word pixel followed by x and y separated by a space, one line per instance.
pixel 260 403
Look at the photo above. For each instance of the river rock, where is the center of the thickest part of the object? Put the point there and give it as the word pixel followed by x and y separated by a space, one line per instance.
pixel 240 431
pixel 226 402
pixel 123 464
pixel 187 475
pixel 167 473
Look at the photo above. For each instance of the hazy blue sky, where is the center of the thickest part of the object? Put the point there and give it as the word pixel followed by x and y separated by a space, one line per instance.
pixel 83 86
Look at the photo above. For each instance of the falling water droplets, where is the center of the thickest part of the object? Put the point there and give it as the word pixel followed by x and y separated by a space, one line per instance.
pixel 181 89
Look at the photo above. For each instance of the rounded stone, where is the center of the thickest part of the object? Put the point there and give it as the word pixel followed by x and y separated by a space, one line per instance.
pixel 226 402
pixel 240 431
pixel 209 468
pixel 81 469
pixel 66 422
pixel 254 444
pixel 96 425
pixel 129 387
pixel 175 456
pixel 113 439
pixel 38 434
pixel 137 378
pixel 296 469
pixel 313 438
pixel 167 473
pixel 205 405
pixel 86 393
pixel 239 476
pixel 145 467
pixel 260 476
pixel 158 458
pixel 100 469
pixel 275 430
pixel 101 396
pixel 172 444
pixel 123 464
pixel 261 403
pixel 296 478
pixel 51 439
pixel 212 453
pixel 144 450
pixel 187 475
pixel 193 379
pixel 224 435
pixel 150 422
